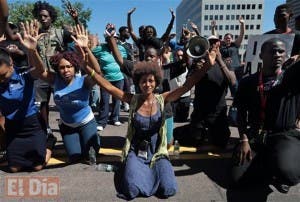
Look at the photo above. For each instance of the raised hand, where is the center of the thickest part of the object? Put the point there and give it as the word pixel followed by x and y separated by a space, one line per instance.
pixel 193 25
pixel 72 12
pixel 241 20
pixel 110 30
pixel 186 33
pixel 172 12
pixel 81 39
pixel 30 34
pixel 131 11
pixel 213 23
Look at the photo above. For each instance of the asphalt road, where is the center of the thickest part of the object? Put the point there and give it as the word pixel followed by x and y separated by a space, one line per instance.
pixel 202 174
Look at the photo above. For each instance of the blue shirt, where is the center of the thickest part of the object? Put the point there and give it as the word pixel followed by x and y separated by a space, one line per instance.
pixel 109 67
pixel 72 100
pixel 174 45
pixel 17 96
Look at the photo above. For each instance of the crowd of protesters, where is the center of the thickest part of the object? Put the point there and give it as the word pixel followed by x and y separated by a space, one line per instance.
pixel 152 81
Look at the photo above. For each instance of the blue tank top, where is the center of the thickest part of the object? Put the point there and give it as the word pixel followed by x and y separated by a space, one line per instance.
pixel 72 100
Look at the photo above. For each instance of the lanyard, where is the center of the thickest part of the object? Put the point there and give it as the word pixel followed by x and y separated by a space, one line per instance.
pixel 263 97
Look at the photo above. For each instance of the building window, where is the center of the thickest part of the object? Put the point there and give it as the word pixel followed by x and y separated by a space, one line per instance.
pixel 247 17
pixel 205 27
pixel 221 7
pixel 220 27
pixel 211 7
pixel 206 17
pixel 252 17
pixel 236 27
pixel 246 36
pixel 236 36
pixel 253 6
pixel 243 7
pixel 216 7
pixel 206 7
pixel 231 27
pixel 247 27
pixel 251 27
pixel 238 6
pixel 220 37
pixel 257 27
pixel 237 17
pixel 227 17
pixel 259 6
pixel 226 27
pixel 216 17
pixel 211 17
pixel 233 6
pixel 221 17
pixel 228 7
pixel 259 16
pixel 248 6
pixel 232 17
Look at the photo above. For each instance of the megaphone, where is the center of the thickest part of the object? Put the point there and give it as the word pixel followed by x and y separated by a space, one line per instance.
pixel 196 47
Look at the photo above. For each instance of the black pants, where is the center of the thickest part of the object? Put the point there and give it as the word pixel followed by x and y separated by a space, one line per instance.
pixel 215 125
pixel 181 109
pixel 279 158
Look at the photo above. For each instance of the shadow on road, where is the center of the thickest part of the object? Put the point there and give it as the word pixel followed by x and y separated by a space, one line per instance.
pixel 217 168
pixel 258 193
pixel 112 141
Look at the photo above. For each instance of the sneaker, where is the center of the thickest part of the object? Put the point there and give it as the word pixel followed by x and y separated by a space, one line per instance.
pixel 117 123
pixel 100 128
pixel 126 107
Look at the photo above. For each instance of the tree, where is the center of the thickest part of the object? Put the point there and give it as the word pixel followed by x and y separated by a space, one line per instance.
pixel 21 11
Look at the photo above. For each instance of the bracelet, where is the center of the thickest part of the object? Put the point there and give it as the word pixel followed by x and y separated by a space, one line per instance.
pixel 244 140
pixel 92 74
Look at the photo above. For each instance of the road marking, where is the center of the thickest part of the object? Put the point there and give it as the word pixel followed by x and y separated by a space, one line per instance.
pixel 186 153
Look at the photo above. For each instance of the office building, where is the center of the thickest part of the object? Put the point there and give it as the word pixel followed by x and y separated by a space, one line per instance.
pixel 226 14
pixel 295 5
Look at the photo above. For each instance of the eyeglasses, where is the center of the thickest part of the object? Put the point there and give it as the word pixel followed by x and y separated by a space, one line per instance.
pixel 65 66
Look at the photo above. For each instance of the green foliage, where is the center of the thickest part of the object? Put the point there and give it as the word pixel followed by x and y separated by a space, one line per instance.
pixel 84 14
pixel 21 11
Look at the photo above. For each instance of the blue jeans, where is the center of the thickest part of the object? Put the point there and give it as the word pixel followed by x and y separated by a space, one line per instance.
pixel 104 105
pixel 170 127
pixel 95 96
pixel 78 140
pixel 140 179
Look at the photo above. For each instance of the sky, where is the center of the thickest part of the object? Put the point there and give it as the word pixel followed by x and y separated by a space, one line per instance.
pixel 148 12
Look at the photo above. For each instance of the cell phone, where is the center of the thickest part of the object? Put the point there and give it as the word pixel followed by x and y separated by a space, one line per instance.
pixel 110 29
